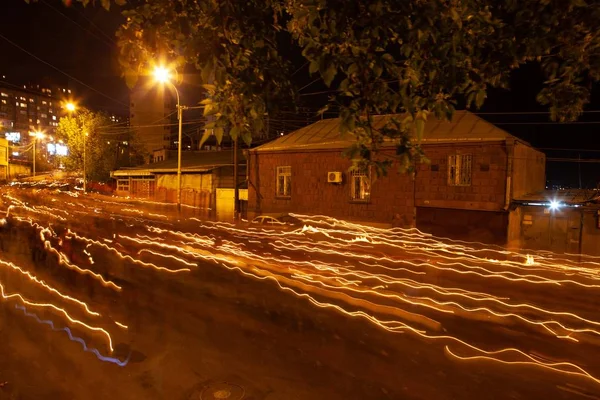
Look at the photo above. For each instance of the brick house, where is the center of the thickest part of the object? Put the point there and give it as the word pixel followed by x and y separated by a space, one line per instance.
pixel 476 169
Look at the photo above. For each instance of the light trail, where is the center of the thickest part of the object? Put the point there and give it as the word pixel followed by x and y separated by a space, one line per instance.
pixel 34 279
pixel 76 339
pixel 364 272
pixel 59 310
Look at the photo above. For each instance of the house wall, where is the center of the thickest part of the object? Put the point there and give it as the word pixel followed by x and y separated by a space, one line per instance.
pixel 396 193
pixel 3 159
pixel 488 178
pixel 591 232
pixel 18 170
pixel 196 189
pixel 471 225
pixel 528 171
pixel 312 194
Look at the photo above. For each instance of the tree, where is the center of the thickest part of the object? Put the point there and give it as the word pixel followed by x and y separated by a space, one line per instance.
pixel 102 146
pixel 408 58
pixel 232 43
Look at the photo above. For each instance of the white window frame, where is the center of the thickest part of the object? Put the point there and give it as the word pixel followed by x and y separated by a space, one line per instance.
pixel 283 181
pixel 460 169
pixel 360 185
pixel 123 185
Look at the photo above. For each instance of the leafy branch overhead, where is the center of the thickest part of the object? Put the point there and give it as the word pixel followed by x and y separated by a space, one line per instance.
pixel 414 59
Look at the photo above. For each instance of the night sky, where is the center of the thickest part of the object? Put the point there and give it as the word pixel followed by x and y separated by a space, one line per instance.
pixel 80 42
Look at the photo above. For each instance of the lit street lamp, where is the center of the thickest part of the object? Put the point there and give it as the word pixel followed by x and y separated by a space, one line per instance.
pixel 36 135
pixel 162 75
pixel 70 107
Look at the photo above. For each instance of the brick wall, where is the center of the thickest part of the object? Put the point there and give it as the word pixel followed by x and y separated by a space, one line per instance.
pixel 488 178
pixel 392 194
pixel 311 193
pixel 529 170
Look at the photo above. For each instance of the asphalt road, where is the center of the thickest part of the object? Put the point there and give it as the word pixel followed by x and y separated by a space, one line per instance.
pixel 105 298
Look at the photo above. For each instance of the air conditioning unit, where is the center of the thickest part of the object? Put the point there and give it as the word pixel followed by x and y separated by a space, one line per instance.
pixel 334 177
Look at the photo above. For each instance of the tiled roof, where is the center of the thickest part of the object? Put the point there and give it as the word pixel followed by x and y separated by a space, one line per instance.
pixel 464 127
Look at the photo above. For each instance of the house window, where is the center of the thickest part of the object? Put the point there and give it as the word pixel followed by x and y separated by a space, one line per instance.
pixel 360 185
pixel 459 169
pixel 284 181
pixel 123 185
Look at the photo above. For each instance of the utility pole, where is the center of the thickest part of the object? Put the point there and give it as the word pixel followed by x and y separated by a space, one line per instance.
pixel 236 190
pixel 34 144
pixel 579 166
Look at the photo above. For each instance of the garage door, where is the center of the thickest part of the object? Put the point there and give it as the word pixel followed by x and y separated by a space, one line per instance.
pixel 225 203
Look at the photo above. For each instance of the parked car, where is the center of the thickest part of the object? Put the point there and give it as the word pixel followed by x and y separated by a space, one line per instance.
pixel 284 220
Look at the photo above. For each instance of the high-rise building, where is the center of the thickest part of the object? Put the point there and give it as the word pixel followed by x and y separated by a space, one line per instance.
pixel 151 109
pixel 27 108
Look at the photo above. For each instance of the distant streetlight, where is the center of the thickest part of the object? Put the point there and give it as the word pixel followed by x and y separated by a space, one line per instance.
pixel 36 135
pixel 162 75
pixel 70 107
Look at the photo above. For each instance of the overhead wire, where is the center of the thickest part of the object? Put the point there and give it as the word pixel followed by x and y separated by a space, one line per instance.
pixel 61 71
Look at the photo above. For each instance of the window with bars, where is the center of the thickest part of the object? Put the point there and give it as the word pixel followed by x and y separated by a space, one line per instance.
pixel 360 185
pixel 284 181
pixel 459 169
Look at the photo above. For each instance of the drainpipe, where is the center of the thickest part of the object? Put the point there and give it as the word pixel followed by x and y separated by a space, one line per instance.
pixel 510 153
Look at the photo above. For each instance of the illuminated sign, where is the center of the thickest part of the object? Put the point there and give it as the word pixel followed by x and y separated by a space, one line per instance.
pixel 13 136
pixel 57 149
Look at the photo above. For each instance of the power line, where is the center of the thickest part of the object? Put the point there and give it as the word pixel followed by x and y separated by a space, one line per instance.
pixel 61 71
pixel 305 86
pixel 110 39
pixel 76 23
pixel 548 123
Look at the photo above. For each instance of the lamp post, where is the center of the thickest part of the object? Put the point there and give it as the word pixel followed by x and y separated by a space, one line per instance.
pixel 84 174
pixel 163 75
pixel 36 135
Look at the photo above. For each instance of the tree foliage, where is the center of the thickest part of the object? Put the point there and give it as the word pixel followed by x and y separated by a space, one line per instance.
pixel 102 152
pixel 408 58
pixel 232 43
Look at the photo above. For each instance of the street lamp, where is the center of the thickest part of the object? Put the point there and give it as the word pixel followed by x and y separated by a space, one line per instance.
pixel 70 107
pixel 162 75
pixel 36 135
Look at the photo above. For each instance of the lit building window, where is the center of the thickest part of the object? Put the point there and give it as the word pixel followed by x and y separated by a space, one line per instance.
pixel 3 101
pixel 459 169
pixel 69 91
pixel 24 105
pixel 284 181
pixel 4 94
pixel 360 185
pixel 54 117
pixel 50 103
pixel 22 98
pixel 43 115
pixel 31 100
pixel 44 102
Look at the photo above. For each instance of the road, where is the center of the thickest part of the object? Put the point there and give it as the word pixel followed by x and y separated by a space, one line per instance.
pixel 107 298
